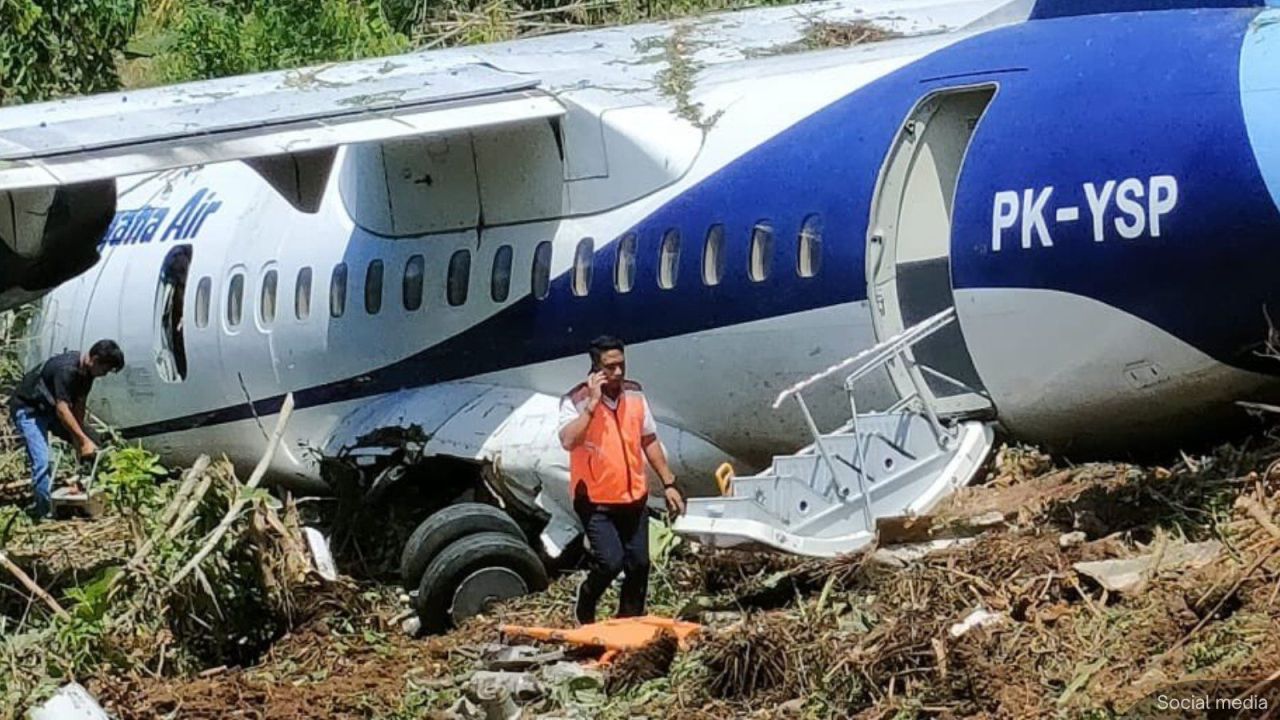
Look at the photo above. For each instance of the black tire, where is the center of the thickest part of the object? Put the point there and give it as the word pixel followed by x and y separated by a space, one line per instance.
pixel 461 560
pixel 445 526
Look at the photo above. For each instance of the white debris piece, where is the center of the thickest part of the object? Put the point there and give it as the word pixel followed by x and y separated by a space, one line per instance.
pixel 71 702
pixel 900 556
pixel 521 686
pixel 519 657
pixel 976 619
pixel 411 626
pixel 990 519
pixel 792 707
pixel 464 709
pixel 1071 539
pixel 1130 574
pixel 564 672
pixel 320 554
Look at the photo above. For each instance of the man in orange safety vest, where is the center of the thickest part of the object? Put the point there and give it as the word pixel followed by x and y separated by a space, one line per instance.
pixel 609 431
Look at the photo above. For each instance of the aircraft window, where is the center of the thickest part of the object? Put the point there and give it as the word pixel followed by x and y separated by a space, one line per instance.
pixel 582 266
pixel 809 254
pixel 203 291
pixel 713 256
pixel 412 290
pixel 624 271
pixel 267 301
pixel 302 295
pixel 761 251
pixel 338 291
pixel 541 281
pixel 171 293
pixel 669 259
pixel 500 283
pixel 459 279
pixel 373 288
pixel 235 300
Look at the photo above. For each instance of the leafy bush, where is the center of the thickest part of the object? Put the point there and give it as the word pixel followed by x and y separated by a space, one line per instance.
pixel 52 48
pixel 217 39
pixel 129 479
pixel 14 327
pixel 81 639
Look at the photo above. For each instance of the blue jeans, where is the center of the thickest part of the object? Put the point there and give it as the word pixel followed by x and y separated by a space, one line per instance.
pixel 34 429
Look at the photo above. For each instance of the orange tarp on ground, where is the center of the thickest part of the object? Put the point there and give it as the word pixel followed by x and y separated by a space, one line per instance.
pixel 615 634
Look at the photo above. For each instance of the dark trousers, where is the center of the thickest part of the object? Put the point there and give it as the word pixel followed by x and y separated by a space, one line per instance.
pixel 618 536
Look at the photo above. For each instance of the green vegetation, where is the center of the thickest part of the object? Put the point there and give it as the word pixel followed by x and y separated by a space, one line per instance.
pixel 676 79
pixel 216 39
pixel 128 607
pixel 56 48
pixel 52 48
pixel 14 327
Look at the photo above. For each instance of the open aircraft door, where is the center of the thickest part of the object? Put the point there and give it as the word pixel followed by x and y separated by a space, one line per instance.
pixel 909 246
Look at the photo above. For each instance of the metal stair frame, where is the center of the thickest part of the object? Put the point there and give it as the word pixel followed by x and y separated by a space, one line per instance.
pixel 760 508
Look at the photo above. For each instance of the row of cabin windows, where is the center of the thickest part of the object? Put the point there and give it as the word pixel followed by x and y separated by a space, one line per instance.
pixel 759 268
pixel 456 287
pixel 457 279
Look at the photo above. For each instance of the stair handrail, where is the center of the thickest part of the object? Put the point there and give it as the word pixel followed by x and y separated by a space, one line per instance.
pixel 866 361
pixel 879 354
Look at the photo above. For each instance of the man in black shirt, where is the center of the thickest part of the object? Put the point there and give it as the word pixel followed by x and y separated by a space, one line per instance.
pixel 52 397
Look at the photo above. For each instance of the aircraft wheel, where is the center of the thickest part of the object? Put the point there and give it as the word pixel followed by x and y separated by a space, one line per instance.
pixel 445 526
pixel 472 574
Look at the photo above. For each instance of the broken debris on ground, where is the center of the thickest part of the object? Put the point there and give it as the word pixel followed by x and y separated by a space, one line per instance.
pixel 1045 591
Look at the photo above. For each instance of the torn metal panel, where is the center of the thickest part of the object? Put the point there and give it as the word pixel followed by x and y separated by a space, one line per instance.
pixel 512 431
pixel 427 409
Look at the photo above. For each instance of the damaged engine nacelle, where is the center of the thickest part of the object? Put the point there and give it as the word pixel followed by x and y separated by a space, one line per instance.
pixel 49 235
pixel 377 461
pixel 470 540
pixel 376 464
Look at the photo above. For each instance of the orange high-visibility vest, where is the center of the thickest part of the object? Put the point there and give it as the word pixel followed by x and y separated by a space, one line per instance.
pixel 609 462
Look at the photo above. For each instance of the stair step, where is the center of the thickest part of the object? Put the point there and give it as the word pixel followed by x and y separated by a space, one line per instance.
pixel 797 506
pixel 818 501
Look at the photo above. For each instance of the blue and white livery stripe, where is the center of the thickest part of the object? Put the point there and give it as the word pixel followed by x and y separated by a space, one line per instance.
pixel 1165 174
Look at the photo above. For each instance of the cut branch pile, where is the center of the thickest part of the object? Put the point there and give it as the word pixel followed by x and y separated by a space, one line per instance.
pixel 1002 623
pixel 210 575
pixel 1006 625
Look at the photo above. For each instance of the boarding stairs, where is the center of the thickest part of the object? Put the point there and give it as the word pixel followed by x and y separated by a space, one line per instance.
pixel 823 501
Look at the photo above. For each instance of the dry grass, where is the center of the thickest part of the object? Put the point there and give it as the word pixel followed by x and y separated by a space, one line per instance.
pixel 880 643
pixel 636 667
pixel 126 611
pixel 851 637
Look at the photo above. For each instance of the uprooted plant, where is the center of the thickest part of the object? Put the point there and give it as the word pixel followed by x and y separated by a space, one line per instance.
pixel 211 579
pixel 129 481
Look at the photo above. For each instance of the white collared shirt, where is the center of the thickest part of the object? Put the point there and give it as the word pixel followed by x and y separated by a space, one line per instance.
pixel 569 411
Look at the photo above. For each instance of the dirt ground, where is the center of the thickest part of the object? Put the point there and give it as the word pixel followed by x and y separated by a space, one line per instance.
pixel 868 636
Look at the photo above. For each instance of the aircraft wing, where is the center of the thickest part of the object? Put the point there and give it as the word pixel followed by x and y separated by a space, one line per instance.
pixel 85 139
pixel 59 160
pixel 94 138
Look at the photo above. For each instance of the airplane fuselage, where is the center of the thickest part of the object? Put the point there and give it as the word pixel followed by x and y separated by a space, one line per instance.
pixel 1096 195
